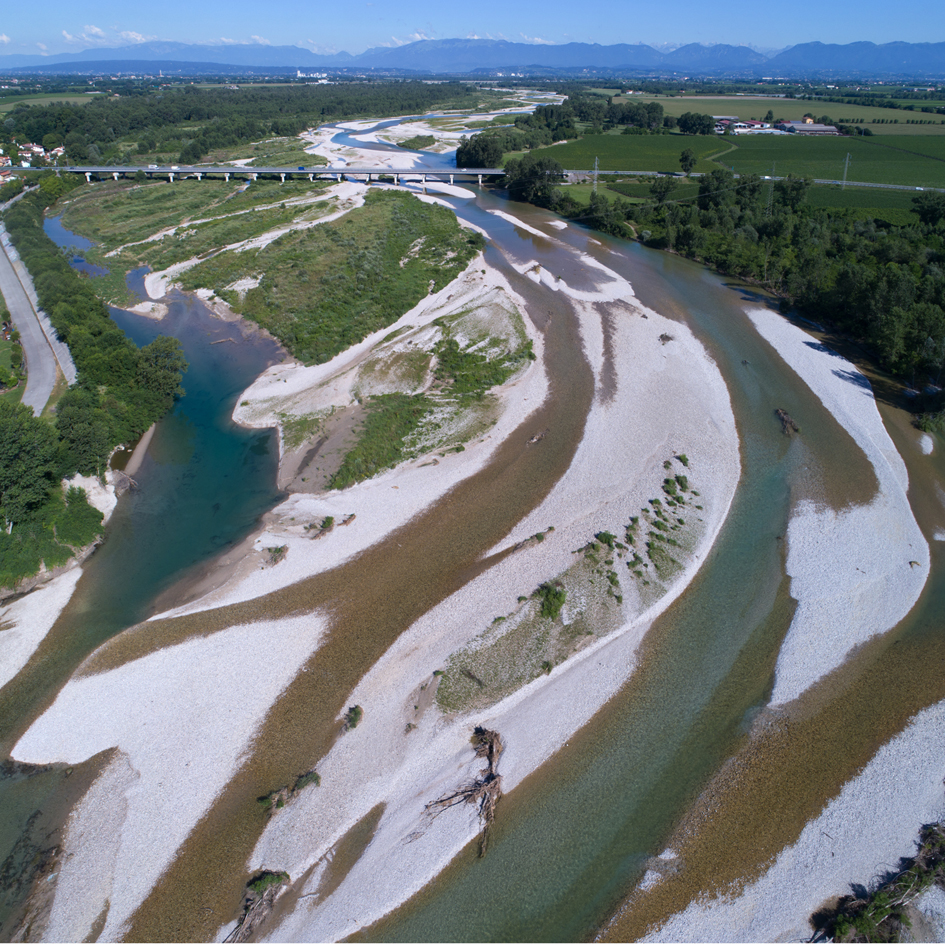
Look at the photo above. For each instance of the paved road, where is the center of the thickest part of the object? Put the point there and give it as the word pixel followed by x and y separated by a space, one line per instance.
pixel 40 360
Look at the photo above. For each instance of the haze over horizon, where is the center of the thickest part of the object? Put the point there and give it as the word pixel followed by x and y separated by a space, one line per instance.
pixel 73 27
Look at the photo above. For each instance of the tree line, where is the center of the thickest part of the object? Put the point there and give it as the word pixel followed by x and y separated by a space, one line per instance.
pixel 200 120
pixel 120 391
pixel 882 284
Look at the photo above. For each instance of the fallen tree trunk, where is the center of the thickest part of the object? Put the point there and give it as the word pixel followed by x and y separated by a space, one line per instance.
pixel 485 790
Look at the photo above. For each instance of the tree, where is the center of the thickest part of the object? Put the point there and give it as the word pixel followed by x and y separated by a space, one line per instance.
pixel 532 179
pixel 662 187
pixel 792 191
pixel 716 189
pixel 695 123
pixel 687 160
pixel 29 454
pixel 930 207
pixel 161 366
pixel 479 151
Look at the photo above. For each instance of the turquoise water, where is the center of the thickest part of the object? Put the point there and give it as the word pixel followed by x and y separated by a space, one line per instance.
pixel 203 486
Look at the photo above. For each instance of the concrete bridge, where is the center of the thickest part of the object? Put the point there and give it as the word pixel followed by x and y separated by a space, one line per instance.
pixel 226 171
pixel 175 172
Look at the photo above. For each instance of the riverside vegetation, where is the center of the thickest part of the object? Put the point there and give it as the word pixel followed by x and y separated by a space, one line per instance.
pixel 883 284
pixel 581 605
pixel 119 393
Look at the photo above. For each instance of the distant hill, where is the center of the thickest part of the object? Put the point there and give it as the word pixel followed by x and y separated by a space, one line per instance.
pixel 479 56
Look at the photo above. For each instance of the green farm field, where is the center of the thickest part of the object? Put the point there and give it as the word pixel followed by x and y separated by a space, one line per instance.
pixel 788 109
pixel 657 153
pixel 8 104
pixel 870 161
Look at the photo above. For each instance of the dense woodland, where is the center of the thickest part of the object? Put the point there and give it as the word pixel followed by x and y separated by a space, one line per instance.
pixel 551 123
pixel 200 120
pixel 121 390
pixel 882 284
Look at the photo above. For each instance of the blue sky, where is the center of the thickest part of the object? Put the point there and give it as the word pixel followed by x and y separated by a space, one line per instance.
pixel 71 25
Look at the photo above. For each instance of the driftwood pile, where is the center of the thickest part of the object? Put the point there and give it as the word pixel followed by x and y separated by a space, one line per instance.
pixel 261 894
pixel 485 790
pixel 788 425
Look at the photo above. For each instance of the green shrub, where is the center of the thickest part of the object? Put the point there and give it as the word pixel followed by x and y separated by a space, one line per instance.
pixel 353 717
pixel 552 599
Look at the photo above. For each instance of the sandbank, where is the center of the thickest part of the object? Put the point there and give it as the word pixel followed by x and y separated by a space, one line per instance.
pixel 855 573
pixel 858 839
pixel 181 719
pixel 26 621
pixel 617 468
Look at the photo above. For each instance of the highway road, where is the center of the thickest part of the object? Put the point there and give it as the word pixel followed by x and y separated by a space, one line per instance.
pixel 40 360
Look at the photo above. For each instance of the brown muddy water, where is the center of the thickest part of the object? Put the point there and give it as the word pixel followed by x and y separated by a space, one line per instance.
pixel 572 840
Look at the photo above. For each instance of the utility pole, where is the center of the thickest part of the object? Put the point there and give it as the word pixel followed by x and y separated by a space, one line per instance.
pixel 846 164
pixel 770 191
pixel 595 176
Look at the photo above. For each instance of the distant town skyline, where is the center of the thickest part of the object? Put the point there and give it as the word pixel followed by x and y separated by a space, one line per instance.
pixel 72 27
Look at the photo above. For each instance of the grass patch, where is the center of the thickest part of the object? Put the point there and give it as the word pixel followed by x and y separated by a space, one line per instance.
pixel 657 152
pixel 418 143
pixel 326 288
pixel 264 880
pixel 297 429
pixel 906 160
pixel 390 419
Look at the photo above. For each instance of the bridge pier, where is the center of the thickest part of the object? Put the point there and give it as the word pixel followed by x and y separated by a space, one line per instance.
pixel 114 176
pixel 253 177
pixel 200 176
pixel 170 178
pixel 282 177
pixel 480 179
pixel 423 180
pixel 88 177
pixel 370 177
pixel 396 180
pixel 226 177
pixel 311 177
pixel 451 180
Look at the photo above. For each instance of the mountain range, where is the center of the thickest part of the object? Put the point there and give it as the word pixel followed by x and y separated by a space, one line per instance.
pixel 472 56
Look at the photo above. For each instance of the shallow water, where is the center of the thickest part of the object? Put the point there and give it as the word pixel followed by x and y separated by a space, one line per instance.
pixel 203 486
pixel 572 839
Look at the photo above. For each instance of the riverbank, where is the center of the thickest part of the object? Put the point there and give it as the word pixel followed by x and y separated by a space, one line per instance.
pixel 404 755
pixel 659 395
pixel 845 598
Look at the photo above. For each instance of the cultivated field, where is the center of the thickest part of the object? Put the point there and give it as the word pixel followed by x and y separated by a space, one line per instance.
pixel 790 109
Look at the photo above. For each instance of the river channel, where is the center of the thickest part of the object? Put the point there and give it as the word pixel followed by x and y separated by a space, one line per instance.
pixel 575 836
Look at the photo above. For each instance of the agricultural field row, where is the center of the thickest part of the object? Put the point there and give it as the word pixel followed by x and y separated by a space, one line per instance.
pixel 894 120
pixel 904 159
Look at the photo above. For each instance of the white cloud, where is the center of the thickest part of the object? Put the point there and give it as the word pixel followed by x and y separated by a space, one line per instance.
pixel 43 47
pixel 94 31
pixel 418 36
pixel 260 40
pixel 4 38
pixel 537 40
pixel 227 41
pixel 69 37
pixel 130 36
